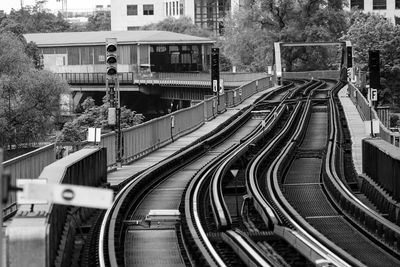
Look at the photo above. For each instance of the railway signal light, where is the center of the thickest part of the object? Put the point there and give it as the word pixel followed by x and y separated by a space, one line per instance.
pixel 349 52
pixel 111 58
pixel 374 69
pixel 214 63
pixel 215 70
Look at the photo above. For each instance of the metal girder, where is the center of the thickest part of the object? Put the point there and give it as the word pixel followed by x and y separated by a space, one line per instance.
pixel 313 44
pixel 277 53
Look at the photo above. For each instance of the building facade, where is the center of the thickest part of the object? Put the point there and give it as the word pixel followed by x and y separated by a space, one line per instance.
pixel 155 51
pixel 387 8
pixel 132 14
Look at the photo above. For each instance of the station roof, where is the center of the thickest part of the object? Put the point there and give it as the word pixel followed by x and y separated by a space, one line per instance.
pixel 59 39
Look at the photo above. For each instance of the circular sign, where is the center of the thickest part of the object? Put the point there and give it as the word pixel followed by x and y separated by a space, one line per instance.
pixel 68 194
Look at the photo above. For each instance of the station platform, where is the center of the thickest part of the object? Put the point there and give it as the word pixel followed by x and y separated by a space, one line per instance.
pixel 127 171
pixel 356 128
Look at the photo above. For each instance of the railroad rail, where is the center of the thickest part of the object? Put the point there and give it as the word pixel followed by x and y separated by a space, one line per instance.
pixel 126 210
pixel 263 145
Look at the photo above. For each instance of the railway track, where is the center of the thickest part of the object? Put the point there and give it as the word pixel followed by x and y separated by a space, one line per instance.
pixel 243 194
pixel 297 181
pixel 130 222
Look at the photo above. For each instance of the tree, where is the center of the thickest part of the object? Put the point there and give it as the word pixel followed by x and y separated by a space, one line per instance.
pixel 394 120
pixel 29 98
pixel 95 116
pixel 251 33
pixel 36 19
pixel 100 21
pixel 372 31
pixel 181 25
pixel 375 32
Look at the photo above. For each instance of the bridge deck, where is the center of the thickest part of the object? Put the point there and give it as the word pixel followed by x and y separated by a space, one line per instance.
pixel 126 171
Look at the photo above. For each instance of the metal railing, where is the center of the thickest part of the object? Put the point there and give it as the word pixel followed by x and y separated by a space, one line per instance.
pixel 44 231
pixel 365 112
pixel 140 139
pixel 163 78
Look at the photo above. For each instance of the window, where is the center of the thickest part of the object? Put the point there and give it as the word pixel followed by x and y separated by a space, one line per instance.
pixel 357 3
pixel 131 10
pixel 133 28
pixel 397 4
pixel 148 10
pixel 379 4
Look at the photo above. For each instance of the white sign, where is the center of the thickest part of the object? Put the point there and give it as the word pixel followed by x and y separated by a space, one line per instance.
pixel 22 197
pixel 112 116
pixel 215 86
pixel 375 126
pixel 221 87
pixel 172 121
pixel 94 135
pixel 269 69
pixel 234 172
pixel 374 95
pixel 75 195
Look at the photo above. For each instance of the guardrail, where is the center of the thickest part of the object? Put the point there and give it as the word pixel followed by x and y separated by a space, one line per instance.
pixel 39 232
pixel 165 78
pixel 363 108
pixel 95 78
pixel 28 165
pixel 325 74
pixel 138 140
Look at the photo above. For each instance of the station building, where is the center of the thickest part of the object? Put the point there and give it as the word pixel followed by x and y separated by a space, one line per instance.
pixel 79 58
pixel 138 51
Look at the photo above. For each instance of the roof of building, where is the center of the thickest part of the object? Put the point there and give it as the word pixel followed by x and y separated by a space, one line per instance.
pixel 57 39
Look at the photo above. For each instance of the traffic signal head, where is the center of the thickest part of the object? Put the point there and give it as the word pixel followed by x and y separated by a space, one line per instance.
pixel 349 52
pixel 214 63
pixel 111 58
pixel 374 69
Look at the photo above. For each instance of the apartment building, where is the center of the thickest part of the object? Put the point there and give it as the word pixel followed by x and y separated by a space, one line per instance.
pixel 388 8
pixel 132 14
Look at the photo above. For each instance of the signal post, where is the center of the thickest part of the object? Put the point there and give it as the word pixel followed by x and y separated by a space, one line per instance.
pixel 215 82
pixel 112 87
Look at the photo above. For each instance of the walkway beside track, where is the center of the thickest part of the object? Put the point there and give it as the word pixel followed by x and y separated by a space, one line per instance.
pixel 356 128
pixel 127 171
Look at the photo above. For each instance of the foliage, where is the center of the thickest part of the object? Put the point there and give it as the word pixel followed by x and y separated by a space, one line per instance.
pixel 250 34
pixel 370 32
pixel 36 19
pixel 29 98
pixel 95 116
pixel 394 120
pixel 181 25
pixel 100 21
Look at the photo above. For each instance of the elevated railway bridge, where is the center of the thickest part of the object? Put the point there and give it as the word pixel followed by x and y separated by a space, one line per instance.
pixel 222 182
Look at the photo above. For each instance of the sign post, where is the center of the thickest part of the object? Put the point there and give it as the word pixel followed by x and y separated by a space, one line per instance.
pixel 372 96
pixel 215 71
